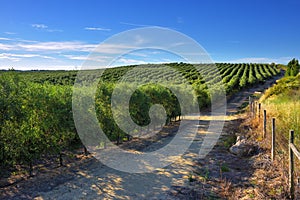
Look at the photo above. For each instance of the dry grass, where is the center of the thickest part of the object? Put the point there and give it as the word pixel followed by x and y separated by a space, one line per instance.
pixel 226 188
pixel 270 179
pixel 287 115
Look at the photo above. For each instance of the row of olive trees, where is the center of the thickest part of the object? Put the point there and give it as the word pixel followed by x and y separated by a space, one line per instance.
pixel 141 101
pixel 35 119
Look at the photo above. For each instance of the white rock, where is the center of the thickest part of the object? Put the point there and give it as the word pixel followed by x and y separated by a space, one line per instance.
pixel 241 148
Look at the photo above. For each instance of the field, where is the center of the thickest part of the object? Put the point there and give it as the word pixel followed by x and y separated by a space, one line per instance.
pixel 36 117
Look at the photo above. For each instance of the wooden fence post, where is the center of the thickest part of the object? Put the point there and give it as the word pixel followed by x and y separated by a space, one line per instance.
pixel 265 124
pixel 254 108
pixel 273 139
pixel 250 105
pixel 291 166
pixel 259 108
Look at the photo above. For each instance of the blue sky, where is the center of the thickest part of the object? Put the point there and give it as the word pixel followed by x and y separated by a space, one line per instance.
pixel 60 34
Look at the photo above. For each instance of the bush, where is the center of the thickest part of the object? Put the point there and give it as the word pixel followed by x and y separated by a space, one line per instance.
pixel 35 119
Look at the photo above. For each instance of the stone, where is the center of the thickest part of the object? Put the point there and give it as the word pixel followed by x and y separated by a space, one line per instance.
pixel 241 148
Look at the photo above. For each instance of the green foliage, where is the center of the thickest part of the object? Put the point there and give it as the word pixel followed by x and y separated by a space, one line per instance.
pixel 284 86
pixel 229 141
pixel 35 119
pixel 191 177
pixel 293 68
pixel 224 167
pixel 244 79
pixel 36 106
pixel 204 174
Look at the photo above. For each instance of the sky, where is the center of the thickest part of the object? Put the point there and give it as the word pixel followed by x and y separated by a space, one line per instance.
pixel 60 34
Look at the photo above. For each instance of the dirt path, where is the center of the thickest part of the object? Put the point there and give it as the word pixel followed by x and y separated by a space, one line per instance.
pixel 187 178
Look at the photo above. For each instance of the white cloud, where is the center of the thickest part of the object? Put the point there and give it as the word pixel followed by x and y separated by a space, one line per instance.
pixel 74 57
pixel 26 41
pixel 8 57
pixel 57 46
pixel 10 33
pixel 133 24
pixel 145 25
pixel 5 39
pixel 128 61
pixel 44 28
pixel 40 67
pixel 281 60
pixel 114 48
pixel 97 29
pixel 89 58
pixel 54 30
pixel 65 46
pixel 17 57
pixel 39 26
pixel 6 47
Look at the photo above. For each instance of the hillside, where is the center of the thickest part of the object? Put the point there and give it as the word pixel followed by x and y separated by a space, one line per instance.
pixel 40 121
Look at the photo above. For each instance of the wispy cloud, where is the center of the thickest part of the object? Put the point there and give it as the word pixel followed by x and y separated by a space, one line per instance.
pixel 145 25
pixel 39 26
pixel 54 30
pixel 44 27
pixel 40 67
pixel 6 47
pixel 96 29
pixel 128 61
pixel 17 57
pixel 5 39
pixel 10 33
pixel 57 46
pixel 86 57
pixel 76 57
pixel 114 48
pixel 26 53
pixel 281 60
pixel 65 46
pixel 26 41
pixel 8 57
pixel 133 24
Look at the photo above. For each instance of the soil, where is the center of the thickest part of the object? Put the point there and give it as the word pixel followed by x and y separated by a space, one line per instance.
pixel 217 176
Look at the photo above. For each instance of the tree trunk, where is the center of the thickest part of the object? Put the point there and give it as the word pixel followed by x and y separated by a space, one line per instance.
pixel 60 160
pixel 118 139
pixel 85 150
pixel 30 169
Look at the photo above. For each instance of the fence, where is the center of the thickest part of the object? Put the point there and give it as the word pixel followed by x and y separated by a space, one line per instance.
pixel 255 109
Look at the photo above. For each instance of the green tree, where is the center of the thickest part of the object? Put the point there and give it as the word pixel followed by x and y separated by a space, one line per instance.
pixel 293 68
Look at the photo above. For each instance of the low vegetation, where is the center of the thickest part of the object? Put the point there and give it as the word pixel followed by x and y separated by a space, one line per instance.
pixel 36 116
pixel 270 178
pixel 282 101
